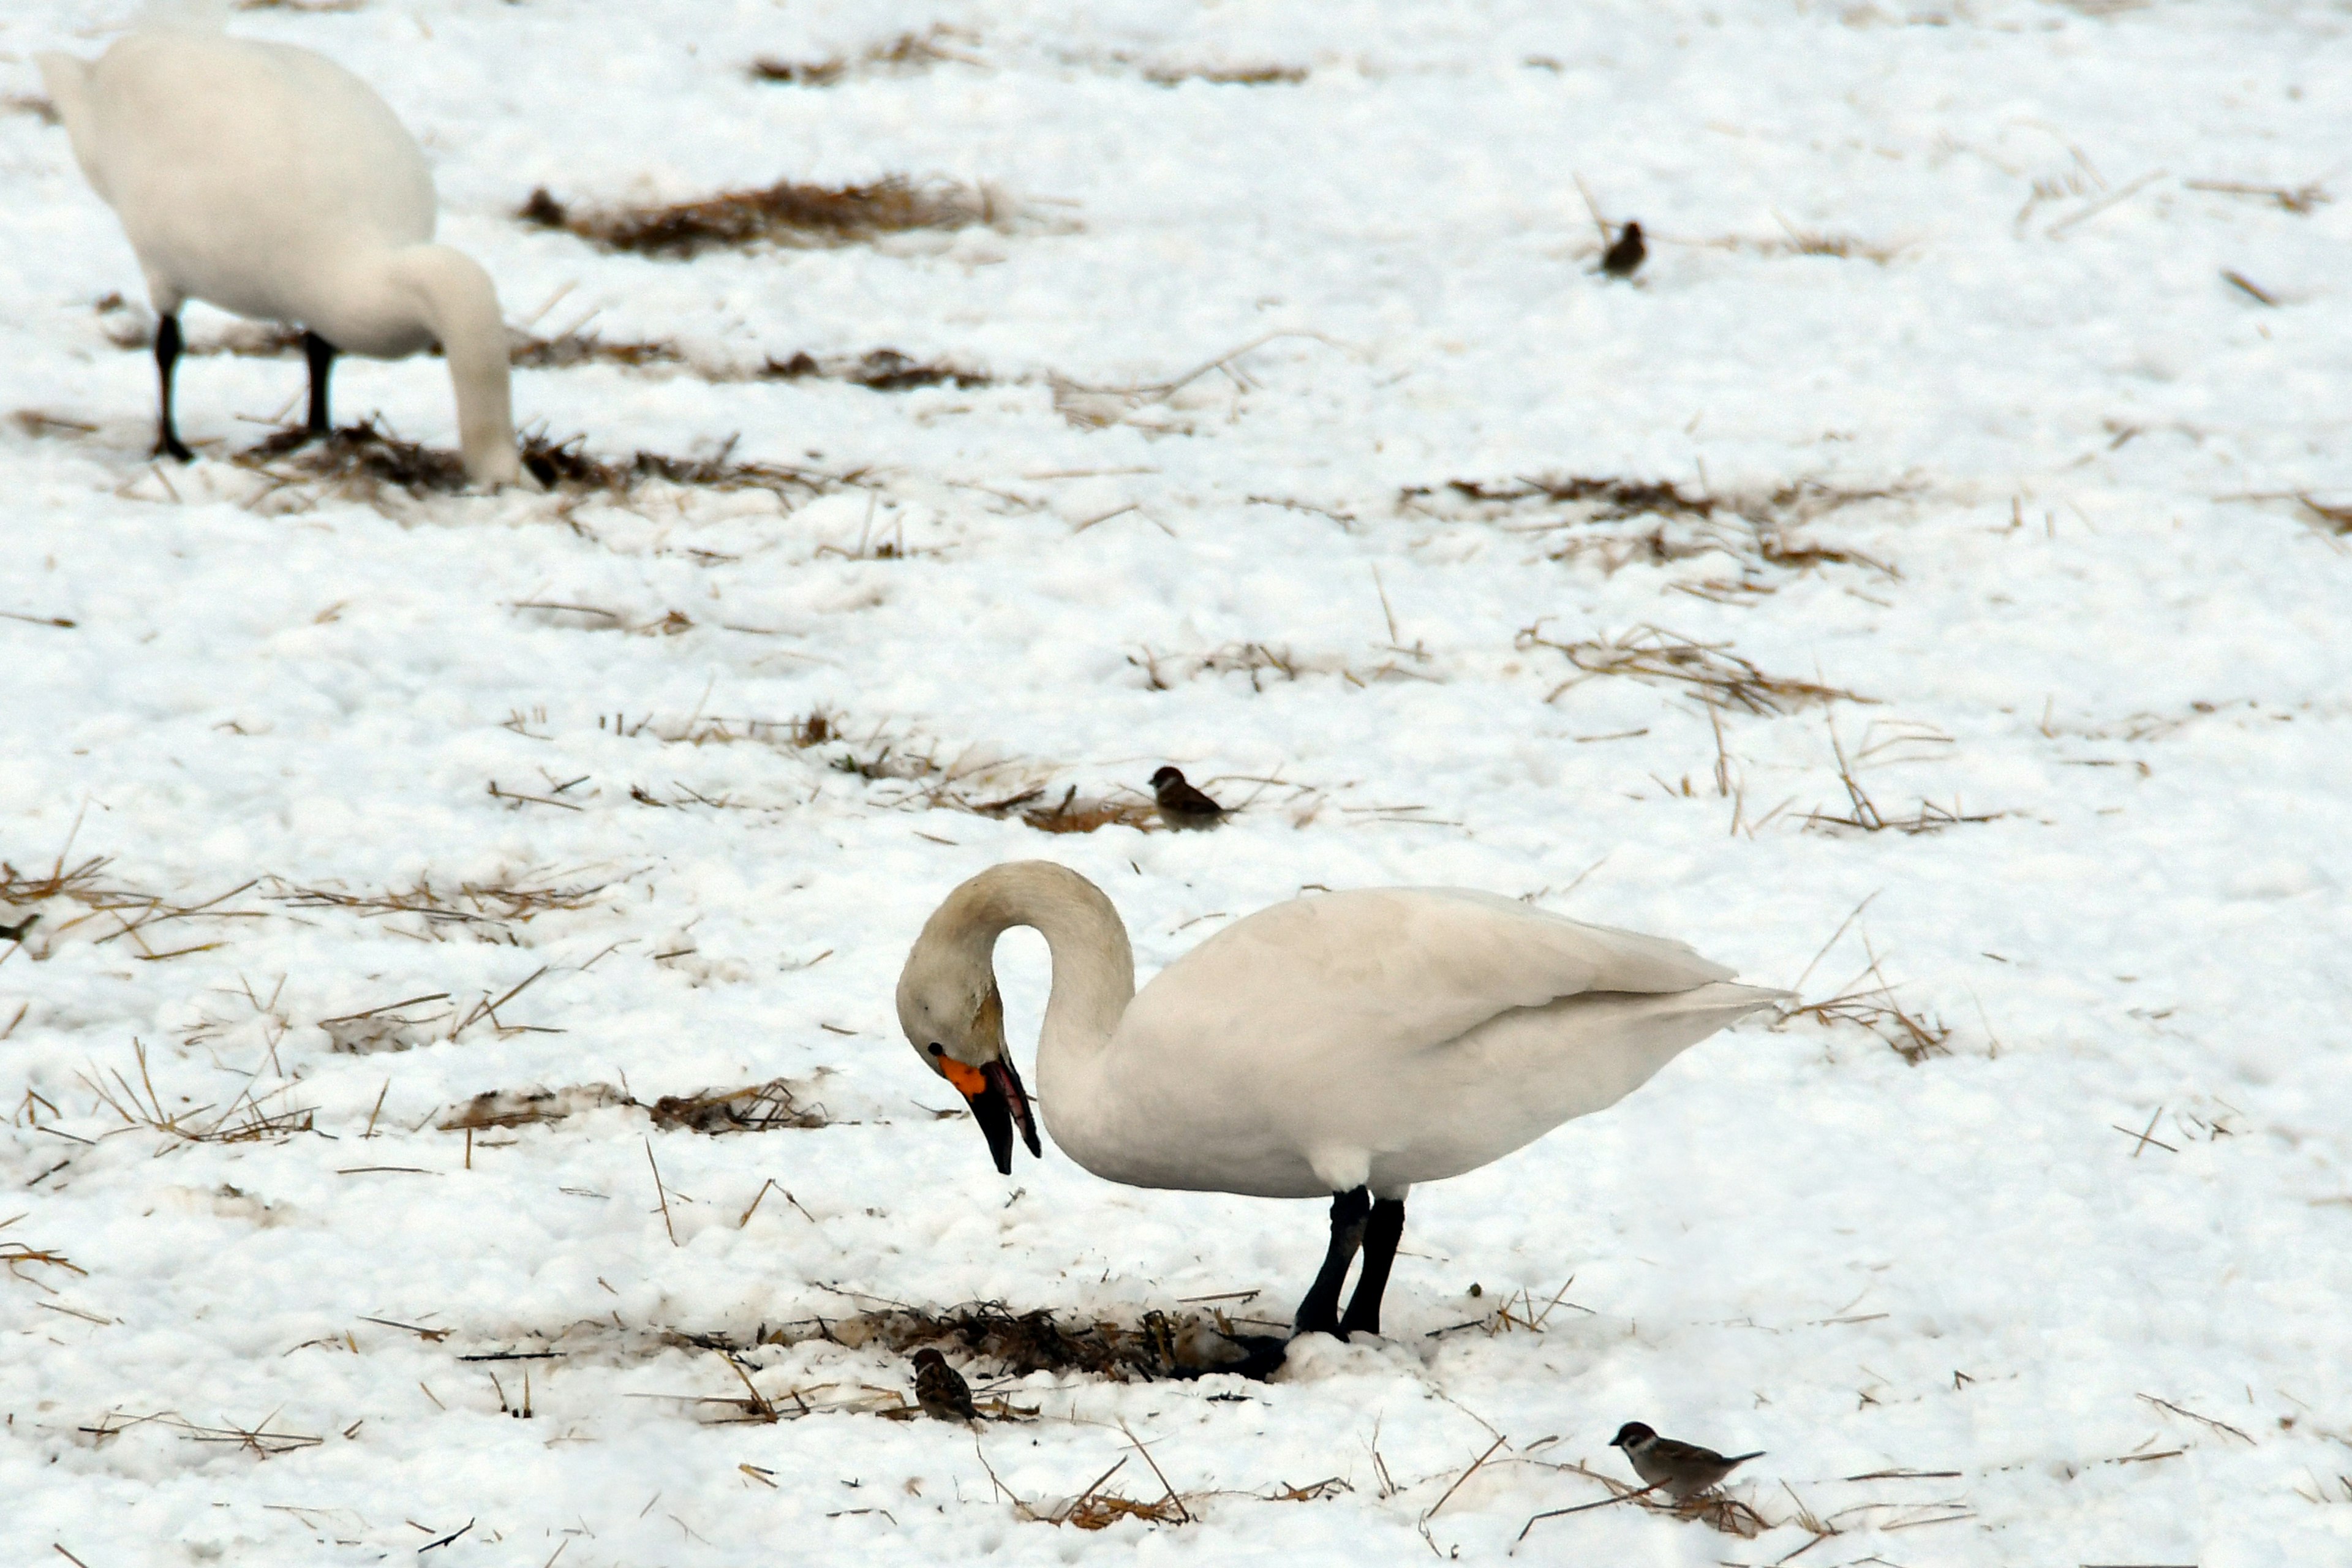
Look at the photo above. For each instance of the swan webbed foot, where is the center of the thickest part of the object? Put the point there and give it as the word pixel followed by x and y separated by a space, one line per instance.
pixel 167 359
pixel 1382 1230
pixel 1320 1312
pixel 322 356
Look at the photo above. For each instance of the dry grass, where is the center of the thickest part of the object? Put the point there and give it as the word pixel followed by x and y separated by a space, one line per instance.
pixel 256 1439
pixel 246 1120
pixel 1862 815
pixel 781 213
pixel 488 909
pixel 1260 662
pixel 1227 76
pixel 2299 200
pixel 367 463
pixel 34 104
pixel 761 1108
pixel 1708 670
pixel 878 370
pixel 1581 514
pixel 1161 1345
pixel 16 1257
pixel 1093 407
pixel 530 1107
pixel 903 56
pixel 133 912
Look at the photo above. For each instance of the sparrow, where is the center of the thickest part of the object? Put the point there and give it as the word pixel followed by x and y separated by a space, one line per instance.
pixel 1181 805
pixel 1622 258
pixel 16 932
pixel 1678 1469
pixel 941 1390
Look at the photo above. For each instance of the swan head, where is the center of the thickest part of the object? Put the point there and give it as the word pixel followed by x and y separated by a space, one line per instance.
pixel 955 1021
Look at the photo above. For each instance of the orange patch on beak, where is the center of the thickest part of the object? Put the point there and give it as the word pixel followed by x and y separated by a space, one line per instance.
pixel 968 1081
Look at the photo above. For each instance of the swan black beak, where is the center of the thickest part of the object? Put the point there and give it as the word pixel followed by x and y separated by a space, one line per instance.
pixel 999 1103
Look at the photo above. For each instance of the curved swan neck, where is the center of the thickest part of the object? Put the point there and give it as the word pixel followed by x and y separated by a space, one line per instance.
pixel 1094 967
pixel 460 305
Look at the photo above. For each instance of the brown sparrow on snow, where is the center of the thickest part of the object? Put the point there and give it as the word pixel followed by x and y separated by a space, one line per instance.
pixel 1678 1469
pixel 941 1390
pixel 1181 805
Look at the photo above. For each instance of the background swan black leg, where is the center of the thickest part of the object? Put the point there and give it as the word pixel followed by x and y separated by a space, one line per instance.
pixel 1320 1313
pixel 167 356
pixel 322 356
pixel 1382 1232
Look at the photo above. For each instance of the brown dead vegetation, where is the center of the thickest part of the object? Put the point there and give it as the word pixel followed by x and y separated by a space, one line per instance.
pixel 1579 515
pixel 34 104
pixel 368 463
pixel 1160 1345
pixel 781 213
pixel 903 56
pixel 487 908
pixel 1710 671
pixel 247 1120
pixel 759 1108
pixel 1261 662
pixel 1226 75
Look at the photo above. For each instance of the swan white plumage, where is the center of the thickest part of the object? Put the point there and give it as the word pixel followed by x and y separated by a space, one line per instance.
pixel 272 183
pixel 1346 1045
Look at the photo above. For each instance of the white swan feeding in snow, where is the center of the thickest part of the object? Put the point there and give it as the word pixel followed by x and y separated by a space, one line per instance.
pixel 1344 1046
pixel 272 183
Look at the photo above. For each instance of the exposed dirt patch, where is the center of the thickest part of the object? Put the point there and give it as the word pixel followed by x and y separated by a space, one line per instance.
pixel 781 213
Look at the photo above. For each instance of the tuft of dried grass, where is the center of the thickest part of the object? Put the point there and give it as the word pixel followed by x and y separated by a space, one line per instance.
pixel 902 56
pixel 34 104
pixel 1863 815
pixel 365 462
pixel 245 1121
pixel 1161 1346
pixel 491 907
pixel 781 213
pixel 878 370
pixel 16 1257
pixel 530 1107
pixel 1754 529
pixel 1226 75
pixel 761 1108
pixel 1710 671
pixel 1914 1036
pixel 1259 662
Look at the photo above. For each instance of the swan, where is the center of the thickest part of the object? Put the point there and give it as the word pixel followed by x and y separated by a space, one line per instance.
pixel 272 183
pixel 1346 1045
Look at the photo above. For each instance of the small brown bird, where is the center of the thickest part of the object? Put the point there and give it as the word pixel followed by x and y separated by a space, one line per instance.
pixel 1678 1469
pixel 16 932
pixel 1624 258
pixel 1181 805
pixel 941 1390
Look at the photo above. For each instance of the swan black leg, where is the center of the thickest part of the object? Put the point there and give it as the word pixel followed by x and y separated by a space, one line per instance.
pixel 322 356
pixel 1382 1233
pixel 1320 1313
pixel 167 356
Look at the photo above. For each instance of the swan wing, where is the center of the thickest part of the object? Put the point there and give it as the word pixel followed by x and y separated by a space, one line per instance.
pixel 1392 1035
pixel 1384 973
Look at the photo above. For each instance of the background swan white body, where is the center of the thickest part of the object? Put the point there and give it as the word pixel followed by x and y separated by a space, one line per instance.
pixel 270 181
pixel 1355 1040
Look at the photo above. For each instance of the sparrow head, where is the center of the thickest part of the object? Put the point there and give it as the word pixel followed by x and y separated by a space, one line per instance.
pixel 928 1358
pixel 1630 1434
pixel 1167 776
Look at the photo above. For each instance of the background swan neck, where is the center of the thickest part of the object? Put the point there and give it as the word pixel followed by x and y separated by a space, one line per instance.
pixel 1094 967
pixel 461 306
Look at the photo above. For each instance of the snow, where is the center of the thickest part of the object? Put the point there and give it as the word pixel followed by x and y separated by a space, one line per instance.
pixel 2099 617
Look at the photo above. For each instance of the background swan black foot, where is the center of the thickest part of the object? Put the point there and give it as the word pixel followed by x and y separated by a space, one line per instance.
pixel 322 356
pixel 167 358
pixel 1320 1313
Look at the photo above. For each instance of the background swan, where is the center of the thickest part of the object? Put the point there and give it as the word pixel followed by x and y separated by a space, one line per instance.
pixel 1345 1046
pixel 270 181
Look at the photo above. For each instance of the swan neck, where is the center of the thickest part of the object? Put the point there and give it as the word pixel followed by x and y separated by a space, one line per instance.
pixel 1094 967
pixel 460 305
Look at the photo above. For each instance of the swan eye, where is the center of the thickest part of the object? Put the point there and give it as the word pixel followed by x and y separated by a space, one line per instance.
pixel 938 1049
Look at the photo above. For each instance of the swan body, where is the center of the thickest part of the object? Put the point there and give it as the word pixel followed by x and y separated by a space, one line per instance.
pixel 272 183
pixel 1351 1042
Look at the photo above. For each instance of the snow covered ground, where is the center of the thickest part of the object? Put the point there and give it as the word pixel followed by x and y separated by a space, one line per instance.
pixel 1950 407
